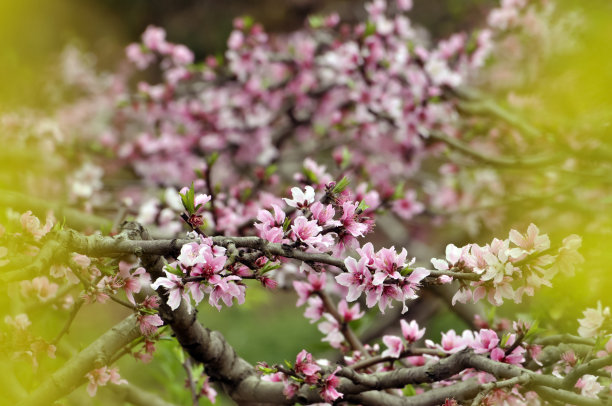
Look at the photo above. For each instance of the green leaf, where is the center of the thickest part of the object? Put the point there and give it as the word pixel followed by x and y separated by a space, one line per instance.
pixel 370 29
pixel 346 158
pixel 409 390
pixel 341 185
pixel 406 271
pixel 269 266
pixel 310 175
pixel 173 270
pixel 286 224
pixel 188 199
pixel 504 340
pixel 533 330
pixel 270 170
pixel 248 22
pixel 316 21
pixel 212 159
pixel 398 193
pixel 362 206
pixel 178 352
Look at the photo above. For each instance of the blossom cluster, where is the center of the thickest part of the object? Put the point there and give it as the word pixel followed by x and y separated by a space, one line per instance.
pixel 101 377
pixel 383 276
pixel 314 226
pixel 199 271
pixel 305 371
pixel 511 268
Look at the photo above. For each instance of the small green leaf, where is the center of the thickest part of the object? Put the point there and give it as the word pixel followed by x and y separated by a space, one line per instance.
pixel 178 351
pixel 188 199
pixel 173 270
pixel 504 340
pixel 341 185
pixel 409 390
pixel 398 193
pixel 248 22
pixel 316 21
pixel 269 266
pixel 362 206
pixel 212 159
pixel 310 175
pixel 286 224
pixel 270 170
pixel 346 158
pixel 370 29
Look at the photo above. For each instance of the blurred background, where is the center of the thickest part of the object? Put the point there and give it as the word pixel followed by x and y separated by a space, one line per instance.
pixel 569 98
pixel 34 32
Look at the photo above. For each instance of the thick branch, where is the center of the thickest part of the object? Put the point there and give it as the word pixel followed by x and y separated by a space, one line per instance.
pixel 72 374
pixel 137 396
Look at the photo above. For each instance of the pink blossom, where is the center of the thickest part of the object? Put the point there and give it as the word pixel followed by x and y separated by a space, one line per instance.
pixel 209 265
pixel 148 323
pixel 529 243
pixel 306 231
pixel 39 287
pixel 19 322
pixel 324 214
pixel 404 5
pixel 315 309
pixel 451 342
pixel 464 295
pixel 268 220
pixel 589 387
pixel 349 220
pixel 516 357
pixel 199 201
pixel 411 331
pixel 32 224
pixel 181 55
pixel 175 288
pixel 389 262
pixel 154 38
pixel 367 252
pixel 190 255
pixel 63 272
pixel 236 39
pixel 316 282
pixel 331 329
pixel 592 321
pixel 305 365
pixel 328 391
pixel 407 206
pixel 227 290
pixel 445 279
pixel 355 279
pixel 485 341
pixel 140 57
pixel 301 199
pixel 395 346
pixel 101 377
pixel 82 261
pixel 387 294
pixel 133 282
pixel 349 314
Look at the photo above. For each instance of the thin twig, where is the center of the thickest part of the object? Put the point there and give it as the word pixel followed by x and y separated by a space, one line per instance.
pixel 77 306
pixel 195 396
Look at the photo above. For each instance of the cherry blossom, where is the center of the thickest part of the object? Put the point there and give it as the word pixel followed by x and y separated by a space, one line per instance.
pixel 411 331
pixel 301 199
pixel 101 377
pixel 592 321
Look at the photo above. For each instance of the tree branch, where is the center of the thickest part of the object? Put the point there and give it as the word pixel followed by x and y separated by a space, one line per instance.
pixel 72 374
